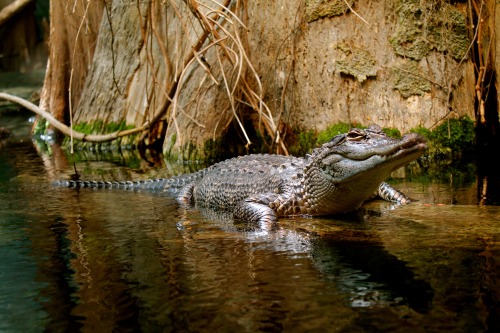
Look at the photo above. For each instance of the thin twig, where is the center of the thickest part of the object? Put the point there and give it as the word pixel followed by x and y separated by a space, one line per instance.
pixel 352 10
pixel 231 101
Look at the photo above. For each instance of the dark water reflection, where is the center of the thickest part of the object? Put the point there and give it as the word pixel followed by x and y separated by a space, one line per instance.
pixel 89 260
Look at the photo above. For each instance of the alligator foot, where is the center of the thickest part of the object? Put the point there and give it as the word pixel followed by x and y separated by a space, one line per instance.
pixel 254 212
pixel 388 193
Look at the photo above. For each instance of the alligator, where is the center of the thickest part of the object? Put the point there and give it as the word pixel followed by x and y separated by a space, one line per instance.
pixel 335 178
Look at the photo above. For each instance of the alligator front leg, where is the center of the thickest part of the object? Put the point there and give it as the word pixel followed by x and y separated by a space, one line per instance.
pixel 256 209
pixel 185 195
pixel 389 193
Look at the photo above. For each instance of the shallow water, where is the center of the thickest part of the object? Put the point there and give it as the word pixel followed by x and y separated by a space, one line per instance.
pixel 102 260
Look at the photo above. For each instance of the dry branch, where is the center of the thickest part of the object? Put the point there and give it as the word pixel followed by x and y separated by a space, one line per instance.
pixel 220 30
pixel 12 9
pixel 67 130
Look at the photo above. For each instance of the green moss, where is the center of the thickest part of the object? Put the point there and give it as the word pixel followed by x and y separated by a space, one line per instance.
pixel 392 132
pixel 425 132
pixel 87 128
pixel 317 9
pixel 99 127
pixel 456 134
pixel 304 142
pixel 213 150
pixel 41 126
pixel 190 152
pixel 167 151
pixel 307 140
pixel 426 25
pixel 358 62
pixel 453 139
pixel 450 153
pixel 409 80
pixel 333 130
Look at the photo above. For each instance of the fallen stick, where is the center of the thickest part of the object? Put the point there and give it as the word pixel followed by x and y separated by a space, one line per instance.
pixel 10 10
pixel 66 130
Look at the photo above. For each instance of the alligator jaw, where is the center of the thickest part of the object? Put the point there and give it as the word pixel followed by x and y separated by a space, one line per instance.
pixel 411 147
pixel 354 180
pixel 379 163
pixel 390 147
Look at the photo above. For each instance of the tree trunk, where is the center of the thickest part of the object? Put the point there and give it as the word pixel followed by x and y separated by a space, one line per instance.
pixel 378 63
pixel 189 72
pixel 23 34
pixel 73 33
pixel 153 75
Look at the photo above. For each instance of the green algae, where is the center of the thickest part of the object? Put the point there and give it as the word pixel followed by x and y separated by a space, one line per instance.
pixel 358 62
pixel 318 9
pixel 409 80
pixel 422 26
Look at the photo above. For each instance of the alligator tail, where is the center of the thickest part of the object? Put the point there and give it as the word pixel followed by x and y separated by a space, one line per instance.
pixel 173 184
pixel 150 184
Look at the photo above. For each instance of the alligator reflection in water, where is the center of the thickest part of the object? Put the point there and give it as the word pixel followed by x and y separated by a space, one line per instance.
pixel 356 261
pixel 371 276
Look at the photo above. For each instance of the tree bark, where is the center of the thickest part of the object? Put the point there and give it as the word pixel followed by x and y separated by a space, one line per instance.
pixel 191 71
pixel 73 33
pixel 338 66
pixel 147 66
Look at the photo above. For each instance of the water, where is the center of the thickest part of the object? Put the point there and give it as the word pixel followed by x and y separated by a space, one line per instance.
pixel 102 260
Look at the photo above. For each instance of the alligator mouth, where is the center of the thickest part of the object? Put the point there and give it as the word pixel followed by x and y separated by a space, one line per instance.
pixel 410 145
pixel 382 163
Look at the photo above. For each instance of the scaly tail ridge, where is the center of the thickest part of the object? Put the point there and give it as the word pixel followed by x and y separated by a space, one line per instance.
pixel 150 184
pixel 173 184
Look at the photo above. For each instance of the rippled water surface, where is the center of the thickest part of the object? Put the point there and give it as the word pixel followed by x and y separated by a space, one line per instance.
pixel 102 261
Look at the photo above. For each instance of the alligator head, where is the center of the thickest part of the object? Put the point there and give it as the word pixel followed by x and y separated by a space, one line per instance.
pixel 352 165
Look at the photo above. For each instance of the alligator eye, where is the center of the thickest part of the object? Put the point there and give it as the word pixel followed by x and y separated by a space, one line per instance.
pixel 355 135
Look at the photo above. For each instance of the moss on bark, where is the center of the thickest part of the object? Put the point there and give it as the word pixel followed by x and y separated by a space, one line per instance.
pixel 357 62
pixel 409 80
pixel 317 9
pixel 426 25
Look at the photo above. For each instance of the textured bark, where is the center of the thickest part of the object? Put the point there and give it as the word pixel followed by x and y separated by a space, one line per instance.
pixel 117 59
pixel 320 62
pixel 71 51
pixel 321 91
pixel 150 52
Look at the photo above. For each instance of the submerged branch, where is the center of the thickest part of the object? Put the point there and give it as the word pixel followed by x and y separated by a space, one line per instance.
pixel 67 130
